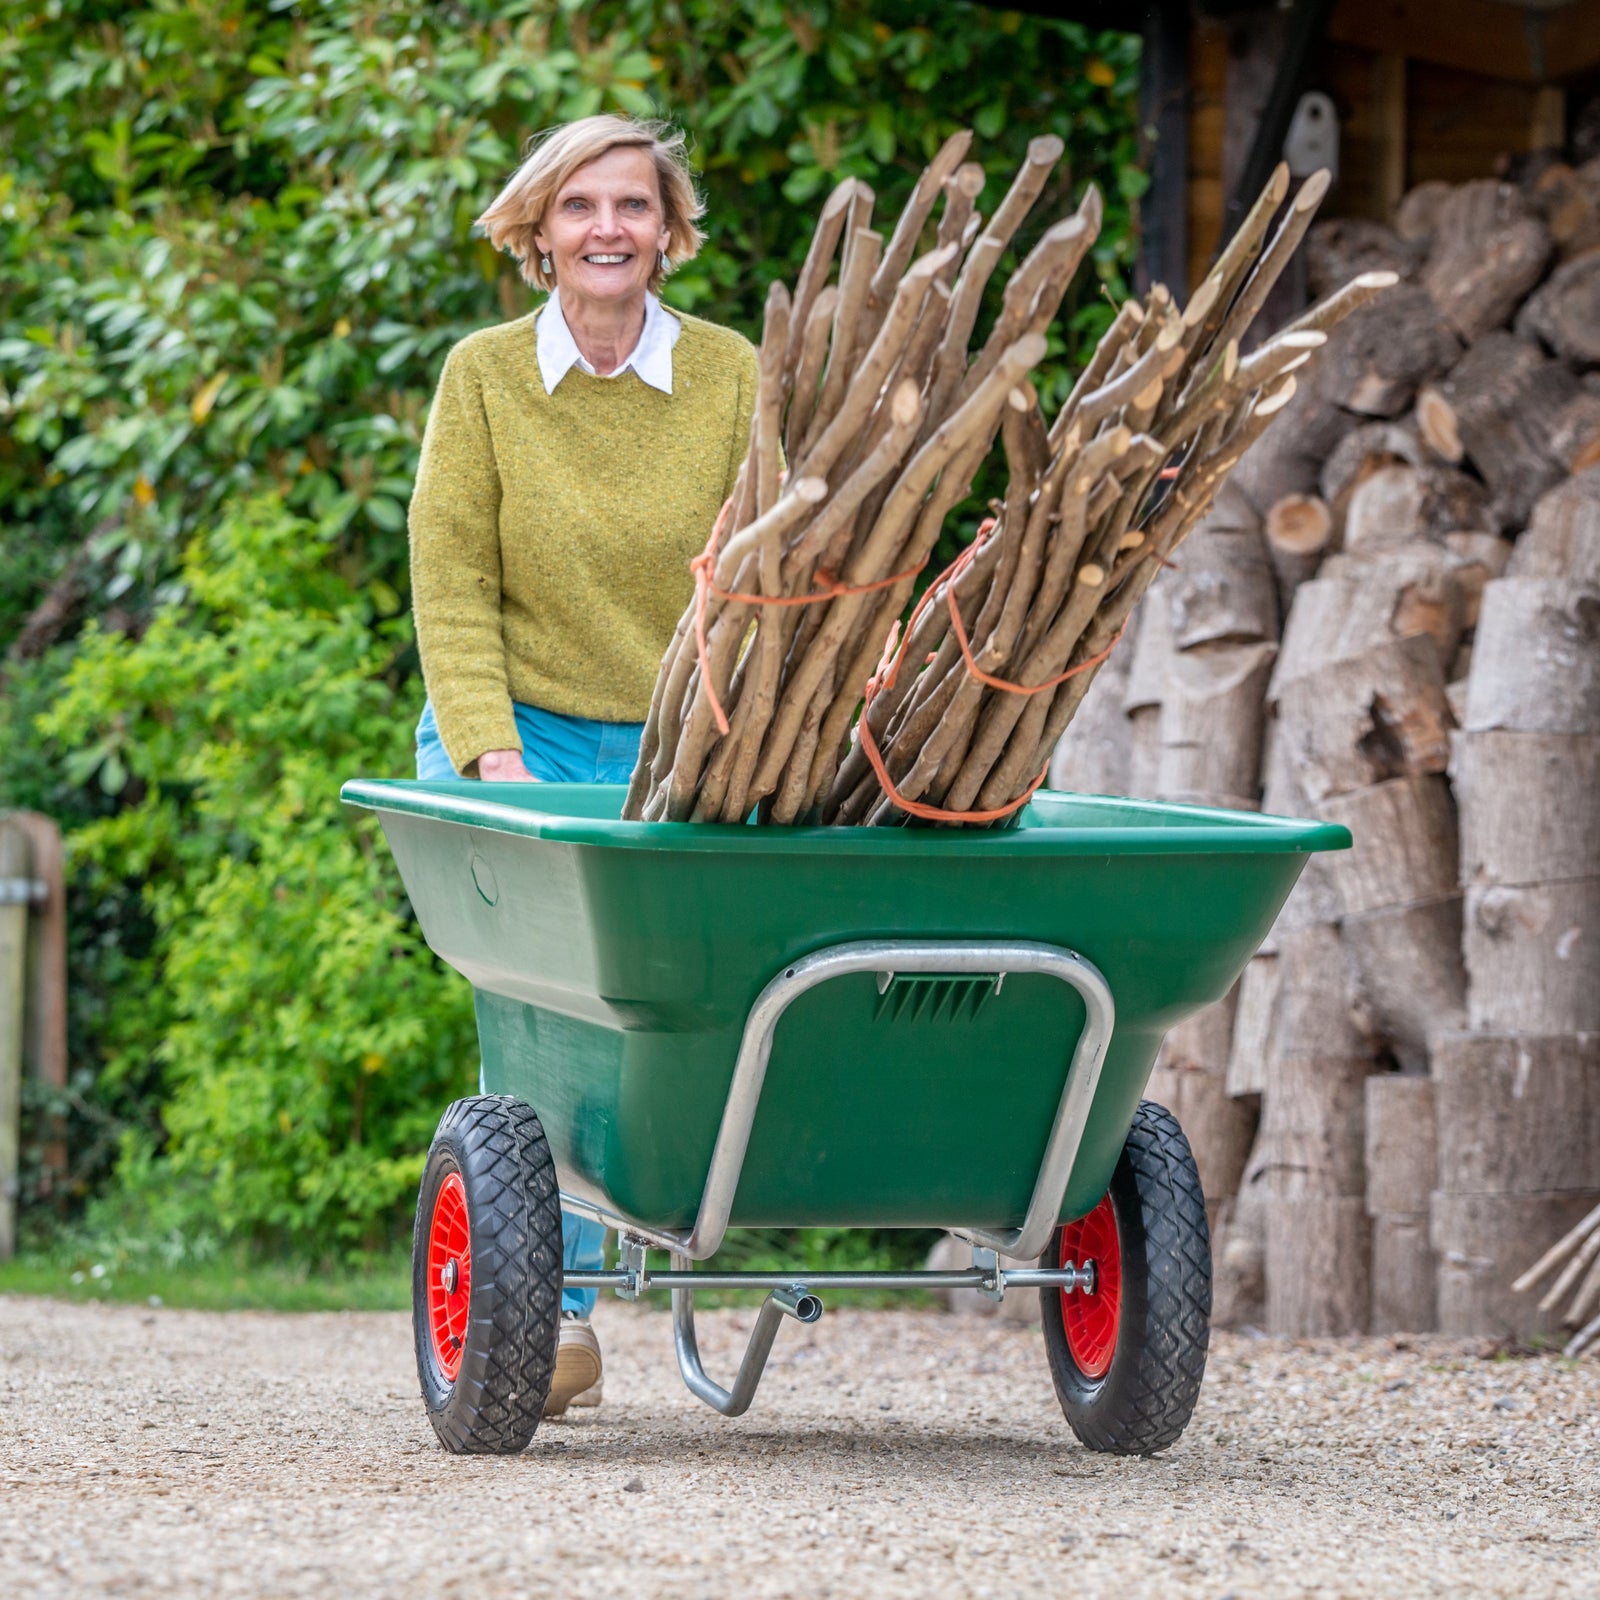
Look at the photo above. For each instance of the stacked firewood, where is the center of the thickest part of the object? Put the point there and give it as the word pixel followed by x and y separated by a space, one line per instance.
pixel 870 392
pixel 1416 545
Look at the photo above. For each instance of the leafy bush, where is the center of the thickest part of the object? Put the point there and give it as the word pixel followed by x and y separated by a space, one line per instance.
pixel 235 243
pixel 306 1036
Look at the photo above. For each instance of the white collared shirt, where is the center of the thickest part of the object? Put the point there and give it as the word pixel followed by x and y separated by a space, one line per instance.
pixel 651 358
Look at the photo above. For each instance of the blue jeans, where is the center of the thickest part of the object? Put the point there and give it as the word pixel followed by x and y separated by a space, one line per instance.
pixel 557 749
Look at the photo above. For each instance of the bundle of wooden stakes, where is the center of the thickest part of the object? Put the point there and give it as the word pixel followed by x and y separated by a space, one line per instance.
pixel 869 389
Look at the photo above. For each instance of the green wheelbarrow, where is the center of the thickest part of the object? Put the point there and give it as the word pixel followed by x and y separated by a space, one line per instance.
pixel 687 1028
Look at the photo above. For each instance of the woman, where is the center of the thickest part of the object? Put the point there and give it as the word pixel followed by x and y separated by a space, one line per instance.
pixel 573 463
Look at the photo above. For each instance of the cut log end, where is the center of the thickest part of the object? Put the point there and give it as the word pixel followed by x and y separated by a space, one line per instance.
pixel 1299 524
pixel 1436 421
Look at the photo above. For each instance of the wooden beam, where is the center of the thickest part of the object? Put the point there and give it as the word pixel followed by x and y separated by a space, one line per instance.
pixel 16 872
pixel 1488 37
pixel 1548 130
pixel 1389 130
pixel 1164 141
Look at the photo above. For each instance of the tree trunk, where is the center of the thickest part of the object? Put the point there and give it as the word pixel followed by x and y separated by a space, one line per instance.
pixel 1416 218
pixel 1313 1015
pixel 1568 202
pixel 1239 1279
pixel 1345 247
pixel 1498 408
pixel 1517 1114
pixel 1404 1274
pixel 1405 843
pixel 1488 250
pixel 1483 1241
pixel 1360 601
pixel 1403 589
pixel 1220 1130
pixel 1367 718
pixel 1298 530
pixel 1222 591
pixel 1527 806
pixel 1399 502
pixel 1575 433
pixel 1361 452
pixel 1094 754
pixel 1530 954
pixel 1406 967
pixel 1189 1081
pixel 1313 1121
pixel 1401 1160
pixel 1479 559
pixel 1563 537
pixel 1212 717
pixel 1144 753
pixel 1319 1267
pixel 1314 900
pixel 1374 362
pixel 1564 311
pixel 1536 658
pixel 1252 1027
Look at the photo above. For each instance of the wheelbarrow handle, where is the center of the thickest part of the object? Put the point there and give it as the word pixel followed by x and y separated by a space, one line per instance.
pixel 888 957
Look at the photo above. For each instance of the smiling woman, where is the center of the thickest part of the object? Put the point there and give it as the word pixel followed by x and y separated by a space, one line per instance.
pixel 574 461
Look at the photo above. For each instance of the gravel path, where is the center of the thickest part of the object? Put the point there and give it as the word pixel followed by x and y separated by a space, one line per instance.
pixel 888 1453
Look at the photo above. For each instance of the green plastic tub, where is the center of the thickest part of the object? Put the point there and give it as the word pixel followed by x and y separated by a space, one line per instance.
pixel 614 964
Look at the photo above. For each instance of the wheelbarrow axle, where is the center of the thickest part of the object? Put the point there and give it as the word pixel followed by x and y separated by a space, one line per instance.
pixel 792 1296
pixel 631 1283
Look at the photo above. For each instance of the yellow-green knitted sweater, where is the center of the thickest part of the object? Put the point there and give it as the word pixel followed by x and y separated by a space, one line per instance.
pixel 551 533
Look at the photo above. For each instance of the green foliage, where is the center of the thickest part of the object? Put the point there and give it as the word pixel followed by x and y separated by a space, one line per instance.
pixel 129 1272
pixel 307 1038
pixel 237 239
pixel 235 242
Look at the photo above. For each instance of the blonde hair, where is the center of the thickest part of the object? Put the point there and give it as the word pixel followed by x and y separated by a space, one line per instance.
pixel 517 213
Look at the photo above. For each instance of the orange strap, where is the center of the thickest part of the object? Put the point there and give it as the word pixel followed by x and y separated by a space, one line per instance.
pixel 704 566
pixel 889 667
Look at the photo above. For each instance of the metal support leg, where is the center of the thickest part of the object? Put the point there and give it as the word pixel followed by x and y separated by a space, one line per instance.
pixel 734 1402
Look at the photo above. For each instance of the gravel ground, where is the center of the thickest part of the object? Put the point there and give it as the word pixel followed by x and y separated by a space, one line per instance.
pixel 888 1453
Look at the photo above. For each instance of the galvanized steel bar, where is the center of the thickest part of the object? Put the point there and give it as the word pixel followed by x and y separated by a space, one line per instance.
pixel 953 958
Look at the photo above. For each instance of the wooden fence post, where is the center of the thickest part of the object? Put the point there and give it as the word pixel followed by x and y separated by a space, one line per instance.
pixel 16 892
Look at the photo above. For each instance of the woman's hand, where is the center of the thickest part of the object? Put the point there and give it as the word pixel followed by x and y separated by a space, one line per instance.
pixel 504 766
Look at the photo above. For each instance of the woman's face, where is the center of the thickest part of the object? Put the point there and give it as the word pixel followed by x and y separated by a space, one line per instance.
pixel 606 227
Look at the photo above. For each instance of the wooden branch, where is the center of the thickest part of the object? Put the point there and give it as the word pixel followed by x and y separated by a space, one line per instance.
pixel 807 373
pixel 902 244
pixel 818 263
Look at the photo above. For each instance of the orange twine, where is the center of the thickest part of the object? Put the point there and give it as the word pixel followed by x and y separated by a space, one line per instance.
pixel 888 670
pixel 704 566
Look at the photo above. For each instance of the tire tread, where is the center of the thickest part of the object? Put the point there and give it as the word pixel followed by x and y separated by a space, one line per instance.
pixel 514 1211
pixel 1144 1403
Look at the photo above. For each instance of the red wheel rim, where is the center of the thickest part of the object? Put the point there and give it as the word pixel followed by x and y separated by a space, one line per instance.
pixel 449 1274
pixel 1091 1320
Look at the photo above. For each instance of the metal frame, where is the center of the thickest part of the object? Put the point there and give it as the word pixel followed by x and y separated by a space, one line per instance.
pixel 792 1293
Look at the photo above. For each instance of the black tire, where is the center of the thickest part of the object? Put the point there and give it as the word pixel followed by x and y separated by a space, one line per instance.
pixel 1143 1400
pixel 509 1312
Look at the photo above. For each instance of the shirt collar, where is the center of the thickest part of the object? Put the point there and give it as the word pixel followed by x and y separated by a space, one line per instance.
pixel 651 358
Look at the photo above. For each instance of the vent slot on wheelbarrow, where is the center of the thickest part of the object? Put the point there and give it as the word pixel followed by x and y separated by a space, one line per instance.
pixel 934 996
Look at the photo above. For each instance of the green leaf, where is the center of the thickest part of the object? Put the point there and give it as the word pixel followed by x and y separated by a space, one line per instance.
pixel 385 513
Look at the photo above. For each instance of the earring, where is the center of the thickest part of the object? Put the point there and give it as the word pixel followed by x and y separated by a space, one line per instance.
pixel 666 266
pixel 544 266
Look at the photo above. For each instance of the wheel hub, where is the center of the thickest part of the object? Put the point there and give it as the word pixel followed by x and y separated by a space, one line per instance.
pixel 1092 1316
pixel 449 1274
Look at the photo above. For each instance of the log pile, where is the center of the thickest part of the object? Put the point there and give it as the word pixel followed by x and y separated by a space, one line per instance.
pixel 1428 509
pixel 870 393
